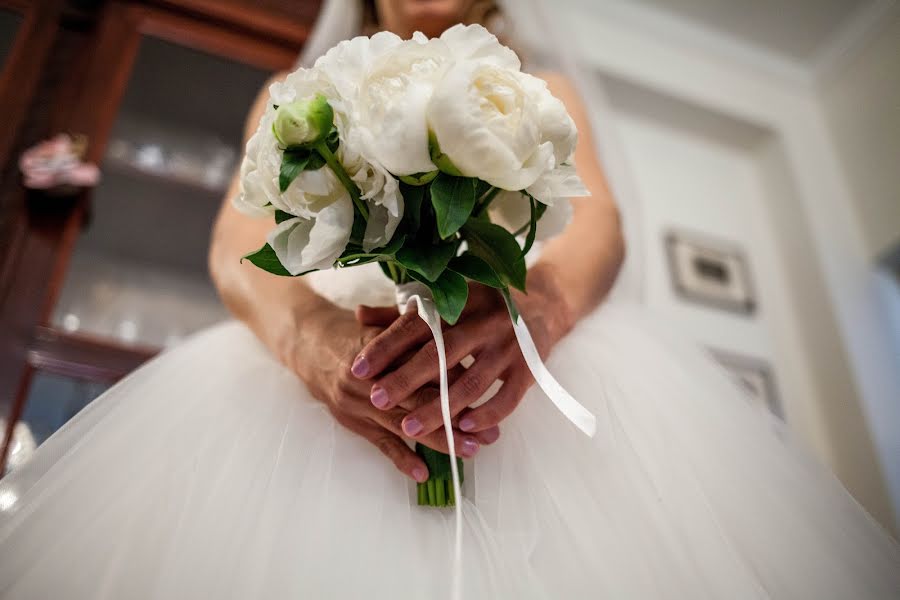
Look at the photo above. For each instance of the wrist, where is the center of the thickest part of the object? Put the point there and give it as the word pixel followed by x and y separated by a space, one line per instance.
pixel 294 325
pixel 545 284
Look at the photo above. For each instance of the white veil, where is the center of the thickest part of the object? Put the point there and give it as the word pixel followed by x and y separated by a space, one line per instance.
pixel 538 31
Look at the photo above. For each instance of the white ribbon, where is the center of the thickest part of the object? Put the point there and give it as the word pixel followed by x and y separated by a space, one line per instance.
pixel 419 294
pixel 581 417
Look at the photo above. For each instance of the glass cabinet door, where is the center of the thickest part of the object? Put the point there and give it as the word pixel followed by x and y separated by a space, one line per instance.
pixel 167 122
pixel 138 275
pixel 9 27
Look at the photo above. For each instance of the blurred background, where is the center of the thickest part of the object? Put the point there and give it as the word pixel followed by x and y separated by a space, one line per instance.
pixel 754 148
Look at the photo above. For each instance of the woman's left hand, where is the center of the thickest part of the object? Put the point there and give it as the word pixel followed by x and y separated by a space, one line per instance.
pixel 485 332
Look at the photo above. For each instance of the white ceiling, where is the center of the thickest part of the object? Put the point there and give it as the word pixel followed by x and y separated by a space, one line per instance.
pixel 795 29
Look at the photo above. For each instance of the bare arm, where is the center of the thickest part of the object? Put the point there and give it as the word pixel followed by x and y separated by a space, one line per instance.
pixel 586 258
pixel 273 307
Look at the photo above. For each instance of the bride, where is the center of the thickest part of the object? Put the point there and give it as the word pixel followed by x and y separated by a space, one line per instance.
pixel 243 463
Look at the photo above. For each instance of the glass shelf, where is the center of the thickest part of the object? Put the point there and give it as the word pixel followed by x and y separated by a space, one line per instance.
pixel 138 274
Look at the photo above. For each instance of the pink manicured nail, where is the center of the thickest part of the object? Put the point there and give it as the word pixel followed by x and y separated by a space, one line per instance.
pixel 420 474
pixel 469 447
pixel 466 424
pixel 412 426
pixel 360 366
pixel 379 397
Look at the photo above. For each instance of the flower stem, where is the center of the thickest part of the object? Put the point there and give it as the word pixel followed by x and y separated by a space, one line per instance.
pixel 486 201
pixel 338 169
pixel 438 490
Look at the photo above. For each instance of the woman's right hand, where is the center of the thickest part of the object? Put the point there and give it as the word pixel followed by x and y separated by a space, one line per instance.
pixel 322 352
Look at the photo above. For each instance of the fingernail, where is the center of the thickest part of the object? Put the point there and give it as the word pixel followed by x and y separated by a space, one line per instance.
pixel 489 436
pixel 469 447
pixel 412 426
pixel 466 424
pixel 420 474
pixel 360 366
pixel 379 397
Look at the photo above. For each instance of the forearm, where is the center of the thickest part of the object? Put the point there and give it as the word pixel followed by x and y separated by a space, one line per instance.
pixel 275 308
pixel 585 259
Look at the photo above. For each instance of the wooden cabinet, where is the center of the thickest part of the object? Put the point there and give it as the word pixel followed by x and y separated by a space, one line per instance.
pixel 93 285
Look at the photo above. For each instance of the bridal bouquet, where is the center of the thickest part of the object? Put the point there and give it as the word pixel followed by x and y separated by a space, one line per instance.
pixel 427 156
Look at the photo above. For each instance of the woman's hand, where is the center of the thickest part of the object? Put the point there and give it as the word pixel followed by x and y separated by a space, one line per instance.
pixel 485 332
pixel 321 353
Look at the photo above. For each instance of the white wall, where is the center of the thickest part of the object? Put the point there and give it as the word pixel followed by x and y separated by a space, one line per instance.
pixel 825 328
pixel 860 97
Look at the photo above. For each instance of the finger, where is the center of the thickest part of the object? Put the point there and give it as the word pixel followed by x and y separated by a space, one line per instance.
pixel 467 445
pixel 468 389
pixel 391 445
pixel 394 387
pixel 488 436
pixel 492 412
pixel 376 316
pixel 405 333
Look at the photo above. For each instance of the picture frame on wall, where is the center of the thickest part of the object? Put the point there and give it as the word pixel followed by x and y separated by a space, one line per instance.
pixel 754 376
pixel 710 271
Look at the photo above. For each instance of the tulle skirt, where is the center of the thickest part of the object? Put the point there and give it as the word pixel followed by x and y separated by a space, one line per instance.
pixel 213 473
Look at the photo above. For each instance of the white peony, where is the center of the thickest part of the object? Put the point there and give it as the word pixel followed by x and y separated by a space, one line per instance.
pixel 315 243
pixel 381 193
pixel 393 94
pixel 487 125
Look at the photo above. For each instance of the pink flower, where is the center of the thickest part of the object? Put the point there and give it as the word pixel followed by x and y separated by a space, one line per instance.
pixel 56 163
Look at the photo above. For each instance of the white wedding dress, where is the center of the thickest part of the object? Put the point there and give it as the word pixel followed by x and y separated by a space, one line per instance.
pixel 213 473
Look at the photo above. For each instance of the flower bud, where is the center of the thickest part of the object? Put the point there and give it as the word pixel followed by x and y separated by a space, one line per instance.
pixel 303 122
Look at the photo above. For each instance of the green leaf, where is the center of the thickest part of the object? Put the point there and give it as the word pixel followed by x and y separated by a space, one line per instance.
pixel 474 268
pixel 427 260
pixel 499 249
pixel 450 292
pixel 453 199
pixel 355 252
pixel 281 216
pixel 294 161
pixel 266 259
pixel 537 211
pixel 412 210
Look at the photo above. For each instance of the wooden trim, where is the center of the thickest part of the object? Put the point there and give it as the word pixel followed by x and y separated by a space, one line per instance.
pixel 77 356
pixel 19 6
pixel 84 356
pixel 21 73
pixel 258 52
pixel 260 21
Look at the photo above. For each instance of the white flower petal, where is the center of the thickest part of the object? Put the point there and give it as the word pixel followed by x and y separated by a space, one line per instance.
pixel 474 42
pixel 380 227
pixel 554 220
pixel 315 243
pixel 486 124
pixel 512 211
pixel 561 182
